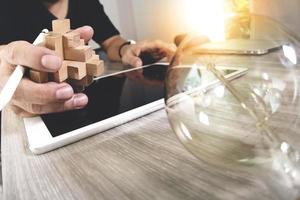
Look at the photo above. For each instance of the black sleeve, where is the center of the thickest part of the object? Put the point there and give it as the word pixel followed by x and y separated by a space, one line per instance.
pixel 6 22
pixel 98 19
pixel 19 21
pixel 23 19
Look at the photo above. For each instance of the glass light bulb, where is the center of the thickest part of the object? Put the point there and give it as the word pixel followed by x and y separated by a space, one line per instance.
pixel 239 111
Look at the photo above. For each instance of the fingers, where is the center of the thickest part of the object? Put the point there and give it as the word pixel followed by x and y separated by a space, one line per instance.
pixel 86 33
pixel 131 57
pixel 36 93
pixel 179 38
pixel 167 48
pixel 78 101
pixel 31 98
pixel 26 54
pixel 157 49
pixel 38 58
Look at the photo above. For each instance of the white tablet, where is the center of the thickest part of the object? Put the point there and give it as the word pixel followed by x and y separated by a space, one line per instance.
pixel 113 100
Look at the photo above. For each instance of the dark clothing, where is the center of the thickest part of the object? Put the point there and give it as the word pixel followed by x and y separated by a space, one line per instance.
pixel 24 19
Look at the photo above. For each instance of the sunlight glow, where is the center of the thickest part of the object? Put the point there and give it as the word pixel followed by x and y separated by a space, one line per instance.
pixel 290 54
pixel 207 17
pixel 220 91
pixel 203 118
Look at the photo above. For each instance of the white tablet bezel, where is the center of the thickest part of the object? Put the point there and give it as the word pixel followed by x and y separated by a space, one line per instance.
pixel 41 141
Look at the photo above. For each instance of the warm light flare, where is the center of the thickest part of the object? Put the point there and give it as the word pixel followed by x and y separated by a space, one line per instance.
pixel 207 17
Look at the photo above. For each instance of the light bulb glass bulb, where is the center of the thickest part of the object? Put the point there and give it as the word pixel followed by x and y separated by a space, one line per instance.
pixel 235 105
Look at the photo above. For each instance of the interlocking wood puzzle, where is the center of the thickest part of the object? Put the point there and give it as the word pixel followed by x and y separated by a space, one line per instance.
pixel 80 62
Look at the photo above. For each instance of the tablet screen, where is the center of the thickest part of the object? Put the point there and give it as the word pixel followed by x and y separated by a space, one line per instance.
pixel 111 96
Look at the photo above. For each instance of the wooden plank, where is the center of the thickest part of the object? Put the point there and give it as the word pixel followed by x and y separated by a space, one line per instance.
pixel 139 160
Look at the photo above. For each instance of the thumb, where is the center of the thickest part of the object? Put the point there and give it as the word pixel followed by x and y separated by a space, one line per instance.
pixel 26 54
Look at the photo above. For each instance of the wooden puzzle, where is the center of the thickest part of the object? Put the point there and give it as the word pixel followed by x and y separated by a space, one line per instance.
pixel 80 62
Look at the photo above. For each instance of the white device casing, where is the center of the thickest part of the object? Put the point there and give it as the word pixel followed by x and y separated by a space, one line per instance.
pixel 41 141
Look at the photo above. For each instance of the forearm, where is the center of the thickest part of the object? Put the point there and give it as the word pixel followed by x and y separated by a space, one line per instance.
pixel 112 46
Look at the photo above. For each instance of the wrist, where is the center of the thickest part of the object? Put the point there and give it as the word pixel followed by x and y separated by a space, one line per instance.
pixel 124 46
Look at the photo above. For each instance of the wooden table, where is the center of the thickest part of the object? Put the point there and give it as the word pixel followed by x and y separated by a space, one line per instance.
pixel 139 160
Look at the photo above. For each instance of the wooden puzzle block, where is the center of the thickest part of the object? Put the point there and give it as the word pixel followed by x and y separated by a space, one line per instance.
pixel 94 66
pixel 76 70
pixel 61 26
pixel 86 81
pixel 54 42
pixel 81 53
pixel 77 88
pixel 80 63
pixel 62 74
pixel 38 77
pixel 71 40
pixel 94 55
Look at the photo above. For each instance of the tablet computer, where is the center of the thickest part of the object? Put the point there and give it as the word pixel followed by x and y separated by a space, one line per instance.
pixel 113 100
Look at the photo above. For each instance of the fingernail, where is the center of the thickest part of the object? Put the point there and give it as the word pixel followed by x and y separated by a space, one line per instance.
pixel 64 93
pixel 51 62
pixel 88 28
pixel 80 101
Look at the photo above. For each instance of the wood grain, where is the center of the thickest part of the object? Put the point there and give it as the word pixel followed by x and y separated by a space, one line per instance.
pixel 138 160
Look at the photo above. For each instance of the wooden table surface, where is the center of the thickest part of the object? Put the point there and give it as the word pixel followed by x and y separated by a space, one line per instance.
pixel 141 159
pixel 138 160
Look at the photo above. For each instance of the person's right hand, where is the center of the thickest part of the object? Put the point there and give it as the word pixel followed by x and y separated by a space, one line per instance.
pixel 31 99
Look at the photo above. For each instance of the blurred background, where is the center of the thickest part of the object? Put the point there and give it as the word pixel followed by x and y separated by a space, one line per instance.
pixel 157 19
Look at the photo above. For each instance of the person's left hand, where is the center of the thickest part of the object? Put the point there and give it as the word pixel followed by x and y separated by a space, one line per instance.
pixel 156 49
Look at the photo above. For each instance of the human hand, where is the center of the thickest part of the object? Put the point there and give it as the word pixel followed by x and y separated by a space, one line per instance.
pixel 156 49
pixel 30 98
